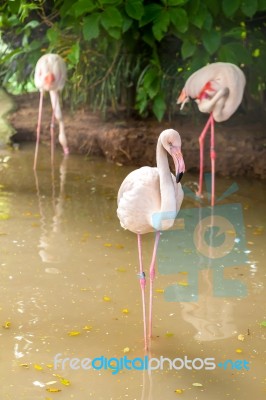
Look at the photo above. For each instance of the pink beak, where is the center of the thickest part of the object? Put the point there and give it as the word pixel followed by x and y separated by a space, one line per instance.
pixel 179 163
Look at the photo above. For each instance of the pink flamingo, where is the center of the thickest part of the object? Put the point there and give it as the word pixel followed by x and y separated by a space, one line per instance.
pixel 147 193
pixel 217 89
pixel 50 75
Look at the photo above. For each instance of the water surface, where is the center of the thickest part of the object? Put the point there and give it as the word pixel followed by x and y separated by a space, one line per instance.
pixel 69 285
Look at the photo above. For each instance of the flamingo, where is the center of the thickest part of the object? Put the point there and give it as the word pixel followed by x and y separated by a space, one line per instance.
pixel 218 90
pixel 50 75
pixel 147 193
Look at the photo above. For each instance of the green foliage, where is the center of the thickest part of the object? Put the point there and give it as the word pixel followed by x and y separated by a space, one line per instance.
pixel 134 54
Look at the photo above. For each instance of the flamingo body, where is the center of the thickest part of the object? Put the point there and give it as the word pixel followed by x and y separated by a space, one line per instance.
pixel 218 90
pixel 147 192
pixel 50 75
pixel 224 83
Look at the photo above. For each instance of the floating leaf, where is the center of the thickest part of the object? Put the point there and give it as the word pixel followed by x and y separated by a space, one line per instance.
pixel 38 367
pixel 182 283
pixel 73 333
pixel 121 269
pixel 263 323
pixel 126 350
pixel 159 290
pixel 119 246
pixel 87 328
pixel 7 325
pixel 53 390
pixel 179 391
pixel 64 381
pixel 50 365
pixel 125 311
pixel 196 384
pixel 108 245
pixel 241 337
pixel 169 334
pixel 106 298
pixel 239 351
pixel 24 365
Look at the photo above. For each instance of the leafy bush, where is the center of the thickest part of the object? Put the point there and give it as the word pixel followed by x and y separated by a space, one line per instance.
pixel 133 54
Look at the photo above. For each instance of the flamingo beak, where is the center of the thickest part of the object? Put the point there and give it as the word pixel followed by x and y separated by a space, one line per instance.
pixel 179 163
pixel 182 99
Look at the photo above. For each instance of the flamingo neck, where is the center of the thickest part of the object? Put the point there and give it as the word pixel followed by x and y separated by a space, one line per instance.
pixel 167 190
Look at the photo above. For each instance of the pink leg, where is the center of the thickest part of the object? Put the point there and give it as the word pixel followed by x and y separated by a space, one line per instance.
pixel 152 275
pixel 213 157
pixel 38 130
pixel 52 138
pixel 142 286
pixel 201 144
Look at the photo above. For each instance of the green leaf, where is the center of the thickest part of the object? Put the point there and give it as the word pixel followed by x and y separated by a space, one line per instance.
pixel 74 54
pixel 91 26
pixel 161 25
pixel 151 12
pixel 52 35
pixel 230 7
pixel 187 49
pixel 263 323
pixel 235 33
pixel 179 19
pixel 115 32
pixel 199 18
pixel 235 53
pixel 111 18
pixel 141 100
pixel 176 2
pixel 159 106
pixel 82 7
pixel 249 7
pixel 151 82
pixel 261 5
pixel 134 9
pixel 211 40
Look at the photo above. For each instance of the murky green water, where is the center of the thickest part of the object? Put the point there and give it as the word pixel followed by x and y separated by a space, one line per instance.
pixel 69 285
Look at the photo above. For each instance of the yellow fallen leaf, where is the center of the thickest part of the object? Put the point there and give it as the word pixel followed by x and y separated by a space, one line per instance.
pixel 53 390
pixel 197 384
pixel 239 351
pixel 73 333
pixel 119 246
pixel 106 298
pixel 121 269
pixel 24 365
pixel 179 391
pixel 38 367
pixel 169 334
pixel 125 311
pixel 182 283
pixel 241 337
pixel 159 290
pixel 108 245
pixel 87 328
pixel 126 350
pixel 50 365
pixel 64 381
pixel 7 325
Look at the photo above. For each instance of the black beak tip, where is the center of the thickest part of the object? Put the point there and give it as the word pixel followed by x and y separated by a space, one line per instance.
pixel 179 177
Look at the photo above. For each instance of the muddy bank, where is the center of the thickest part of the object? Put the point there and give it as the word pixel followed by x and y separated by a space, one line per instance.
pixel 240 142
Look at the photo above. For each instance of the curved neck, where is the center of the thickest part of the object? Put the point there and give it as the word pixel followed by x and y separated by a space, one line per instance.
pixel 167 190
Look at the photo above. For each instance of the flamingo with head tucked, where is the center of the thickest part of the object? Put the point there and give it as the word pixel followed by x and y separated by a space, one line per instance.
pixel 218 90
pixel 50 75
pixel 149 200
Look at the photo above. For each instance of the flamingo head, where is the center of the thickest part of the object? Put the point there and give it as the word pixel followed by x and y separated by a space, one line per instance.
pixel 171 141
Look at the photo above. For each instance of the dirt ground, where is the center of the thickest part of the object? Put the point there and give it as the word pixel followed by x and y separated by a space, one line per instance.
pixel 240 142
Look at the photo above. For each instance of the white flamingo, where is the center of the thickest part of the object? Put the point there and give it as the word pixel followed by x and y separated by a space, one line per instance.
pixel 50 75
pixel 218 89
pixel 149 200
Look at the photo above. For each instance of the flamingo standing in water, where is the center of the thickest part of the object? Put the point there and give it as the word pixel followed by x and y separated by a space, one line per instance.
pixel 218 89
pixel 149 200
pixel 50 75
